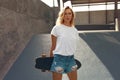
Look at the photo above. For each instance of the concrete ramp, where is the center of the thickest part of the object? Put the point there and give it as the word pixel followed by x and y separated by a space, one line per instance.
pixel 24 67
pixel 99 54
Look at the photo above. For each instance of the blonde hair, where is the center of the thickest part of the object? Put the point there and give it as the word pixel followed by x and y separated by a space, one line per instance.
pixel 61 14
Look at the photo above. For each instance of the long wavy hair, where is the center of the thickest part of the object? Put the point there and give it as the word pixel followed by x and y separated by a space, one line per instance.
pixel 60 19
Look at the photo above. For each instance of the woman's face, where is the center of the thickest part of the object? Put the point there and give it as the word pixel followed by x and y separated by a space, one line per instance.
pixel 67 15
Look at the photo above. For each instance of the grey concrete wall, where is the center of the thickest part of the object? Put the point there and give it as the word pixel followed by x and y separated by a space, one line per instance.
pixel 96 17
pixel 19 21
pixel 81 18
pixel 119 19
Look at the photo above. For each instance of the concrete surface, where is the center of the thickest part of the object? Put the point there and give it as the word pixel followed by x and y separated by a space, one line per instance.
pixel 98 52
pixel 19 21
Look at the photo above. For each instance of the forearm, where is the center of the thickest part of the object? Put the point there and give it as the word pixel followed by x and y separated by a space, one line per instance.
pixel 51 52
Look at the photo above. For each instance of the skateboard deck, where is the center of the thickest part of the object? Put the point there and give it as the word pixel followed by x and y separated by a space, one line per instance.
pixel 45 63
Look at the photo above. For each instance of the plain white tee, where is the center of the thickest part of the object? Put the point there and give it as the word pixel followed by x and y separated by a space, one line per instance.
pixel 66 40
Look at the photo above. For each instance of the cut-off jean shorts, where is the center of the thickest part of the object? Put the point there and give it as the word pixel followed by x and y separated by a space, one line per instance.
pixel 63 64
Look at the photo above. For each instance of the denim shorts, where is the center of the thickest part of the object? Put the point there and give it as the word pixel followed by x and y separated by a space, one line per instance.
pixel 63 64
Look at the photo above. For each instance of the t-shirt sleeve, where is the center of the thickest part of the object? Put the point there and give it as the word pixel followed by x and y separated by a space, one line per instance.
pixel 54 31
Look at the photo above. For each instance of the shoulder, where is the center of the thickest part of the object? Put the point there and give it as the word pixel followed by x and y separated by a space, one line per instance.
pixel 57 27
pixel 57 30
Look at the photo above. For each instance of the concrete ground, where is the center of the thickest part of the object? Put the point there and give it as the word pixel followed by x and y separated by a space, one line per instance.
pixel 98 52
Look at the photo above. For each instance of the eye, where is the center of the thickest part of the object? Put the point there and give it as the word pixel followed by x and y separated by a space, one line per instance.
pixel 70 13
pixel 65 14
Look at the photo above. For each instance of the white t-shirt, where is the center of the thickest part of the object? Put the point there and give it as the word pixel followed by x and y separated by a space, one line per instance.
pixel 66 39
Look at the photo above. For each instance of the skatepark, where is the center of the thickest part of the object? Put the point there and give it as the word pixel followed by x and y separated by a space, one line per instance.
pixel 98 52
pixel 25 35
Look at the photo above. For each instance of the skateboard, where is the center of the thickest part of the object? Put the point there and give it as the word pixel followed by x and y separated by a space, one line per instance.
pixel 44 63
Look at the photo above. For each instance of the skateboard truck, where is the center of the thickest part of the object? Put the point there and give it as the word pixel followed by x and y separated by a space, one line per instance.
pixel 43 56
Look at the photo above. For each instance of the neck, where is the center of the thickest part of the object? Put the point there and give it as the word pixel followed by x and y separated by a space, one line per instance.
pixel 67 24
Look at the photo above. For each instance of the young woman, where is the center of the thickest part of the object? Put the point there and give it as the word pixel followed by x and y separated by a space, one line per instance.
pixel 64 38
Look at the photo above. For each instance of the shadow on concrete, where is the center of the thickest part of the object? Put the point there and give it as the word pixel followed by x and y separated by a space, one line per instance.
pixel 24 66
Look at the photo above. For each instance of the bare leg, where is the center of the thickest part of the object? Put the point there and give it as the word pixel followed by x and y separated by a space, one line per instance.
pixel 72 75
pixel 57 76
